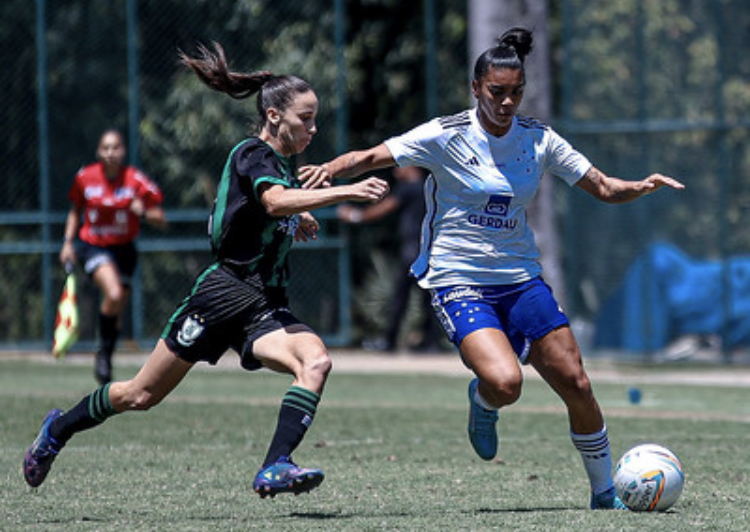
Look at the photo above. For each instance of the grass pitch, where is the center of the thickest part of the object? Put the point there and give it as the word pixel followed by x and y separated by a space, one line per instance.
pixel 393 447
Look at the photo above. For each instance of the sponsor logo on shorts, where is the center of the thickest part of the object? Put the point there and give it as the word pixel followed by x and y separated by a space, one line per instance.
pixel 464 292
pixel 191 329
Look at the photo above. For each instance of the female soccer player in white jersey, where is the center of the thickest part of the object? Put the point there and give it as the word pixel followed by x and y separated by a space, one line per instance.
pixel 478 256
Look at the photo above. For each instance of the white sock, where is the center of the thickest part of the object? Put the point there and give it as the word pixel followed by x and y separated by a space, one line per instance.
pixel 597 458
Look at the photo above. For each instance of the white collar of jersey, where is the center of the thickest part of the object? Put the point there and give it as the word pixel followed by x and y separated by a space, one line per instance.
pixel 479 131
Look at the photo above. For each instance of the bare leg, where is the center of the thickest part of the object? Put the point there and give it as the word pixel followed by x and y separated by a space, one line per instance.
pixel 114 298
pixel 296 350
pixel 557 358
pixel 490 356
pixel 159 376
pixel 161 373
pixel 114 294
pixel 488 353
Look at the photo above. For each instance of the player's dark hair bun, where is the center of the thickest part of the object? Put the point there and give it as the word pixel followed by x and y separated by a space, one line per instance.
pixel 520 39
pixel 510 52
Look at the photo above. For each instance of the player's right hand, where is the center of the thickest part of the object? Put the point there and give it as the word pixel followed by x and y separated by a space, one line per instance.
pixel 67 254
pixel 314 176
pixel 371 189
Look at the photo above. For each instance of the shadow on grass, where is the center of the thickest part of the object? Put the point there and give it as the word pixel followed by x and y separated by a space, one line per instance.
pixel 323 516
pixel 536 509
pixel 320 516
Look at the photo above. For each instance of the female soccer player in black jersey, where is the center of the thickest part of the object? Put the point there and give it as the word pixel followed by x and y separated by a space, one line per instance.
pixel 240 300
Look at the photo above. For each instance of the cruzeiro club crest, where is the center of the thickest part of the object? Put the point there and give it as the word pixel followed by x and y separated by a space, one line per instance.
pixel 191 330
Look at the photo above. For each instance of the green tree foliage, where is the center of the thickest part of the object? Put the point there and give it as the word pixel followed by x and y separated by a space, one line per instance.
pixel 187 129
pixel 656 86
pixel 673 67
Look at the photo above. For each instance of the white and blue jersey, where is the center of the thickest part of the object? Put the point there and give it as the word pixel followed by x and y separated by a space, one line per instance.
pixel 475 231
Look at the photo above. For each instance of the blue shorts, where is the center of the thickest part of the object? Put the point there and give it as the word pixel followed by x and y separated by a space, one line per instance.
pixel 524 312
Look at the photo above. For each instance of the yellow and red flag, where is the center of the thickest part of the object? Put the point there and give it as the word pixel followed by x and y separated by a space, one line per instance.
pixel 66 322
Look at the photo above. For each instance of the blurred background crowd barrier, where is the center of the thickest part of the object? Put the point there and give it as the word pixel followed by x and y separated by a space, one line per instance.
pixel 639 86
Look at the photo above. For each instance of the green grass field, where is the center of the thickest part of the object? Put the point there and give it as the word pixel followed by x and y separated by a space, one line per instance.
pixel 393 447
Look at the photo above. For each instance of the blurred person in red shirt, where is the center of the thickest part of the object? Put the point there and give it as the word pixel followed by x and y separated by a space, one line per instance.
pixel 111 199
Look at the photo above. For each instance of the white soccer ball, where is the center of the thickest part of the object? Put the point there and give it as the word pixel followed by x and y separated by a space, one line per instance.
pixel 649 478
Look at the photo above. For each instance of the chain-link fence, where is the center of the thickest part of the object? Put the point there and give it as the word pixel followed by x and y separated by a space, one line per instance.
pixel 640 86
pixel 660 87
pixel 78 67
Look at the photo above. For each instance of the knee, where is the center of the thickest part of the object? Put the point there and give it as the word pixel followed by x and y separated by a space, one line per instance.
pixel 510 390
pixel 317 363
pixel 580 385
pixel 575 386
pixel 116 295
pixel 112 303
pixel 313 367
pixel 502 390
pixel 574 376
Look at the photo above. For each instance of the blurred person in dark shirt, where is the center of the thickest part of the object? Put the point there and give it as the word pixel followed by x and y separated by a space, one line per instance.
pixel 407 200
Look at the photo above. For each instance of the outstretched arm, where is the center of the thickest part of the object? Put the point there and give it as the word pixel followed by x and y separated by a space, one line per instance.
pixel 283 201
pixel 351 164
pixel 615 190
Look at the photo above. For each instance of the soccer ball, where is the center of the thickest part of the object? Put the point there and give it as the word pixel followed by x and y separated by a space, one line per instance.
pixel 649 478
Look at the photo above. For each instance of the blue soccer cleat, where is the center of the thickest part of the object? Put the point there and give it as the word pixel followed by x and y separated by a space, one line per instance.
pixel 607 500
pixel 482 431
pixel 283 476
pixel 38 459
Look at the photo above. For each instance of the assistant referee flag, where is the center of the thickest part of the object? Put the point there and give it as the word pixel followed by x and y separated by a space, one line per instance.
pixel 66 322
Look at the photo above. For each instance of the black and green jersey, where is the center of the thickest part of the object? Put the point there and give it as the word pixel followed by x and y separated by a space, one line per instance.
pixel 242 233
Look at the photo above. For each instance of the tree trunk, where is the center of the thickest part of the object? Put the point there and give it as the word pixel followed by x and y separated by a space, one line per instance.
pixel 488 19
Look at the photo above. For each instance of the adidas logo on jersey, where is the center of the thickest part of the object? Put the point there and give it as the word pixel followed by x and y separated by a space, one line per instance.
pixel 473 161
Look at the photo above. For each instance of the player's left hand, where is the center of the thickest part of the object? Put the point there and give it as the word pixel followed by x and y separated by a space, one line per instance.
pixel 314 176
pixel 656 181
pixel 307 229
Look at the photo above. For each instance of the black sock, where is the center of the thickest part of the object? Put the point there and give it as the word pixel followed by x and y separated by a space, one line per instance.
pixel 108 334
pixel 295 416
pixel 90 412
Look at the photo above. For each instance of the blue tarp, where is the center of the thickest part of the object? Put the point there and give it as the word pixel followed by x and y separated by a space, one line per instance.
pixel 666 294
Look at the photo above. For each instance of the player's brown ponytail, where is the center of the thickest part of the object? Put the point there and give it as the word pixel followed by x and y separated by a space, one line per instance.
pixel 212 68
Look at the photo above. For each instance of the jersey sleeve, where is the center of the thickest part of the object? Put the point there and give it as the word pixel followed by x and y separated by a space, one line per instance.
pixel 417 146
pixel 148 191
pixel 564 161
pixel 75 194
pixel 258 164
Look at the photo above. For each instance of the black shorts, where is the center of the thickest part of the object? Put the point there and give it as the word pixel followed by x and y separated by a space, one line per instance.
pixel 225 310
pixel 123 256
